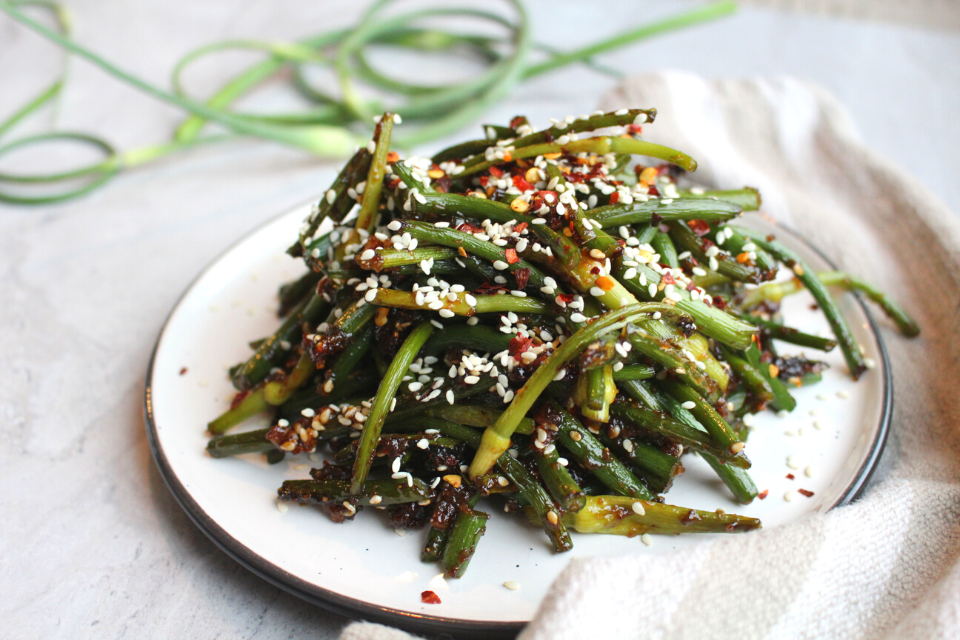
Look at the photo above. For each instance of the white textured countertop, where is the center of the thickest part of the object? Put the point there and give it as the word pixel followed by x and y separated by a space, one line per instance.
pixel 93 544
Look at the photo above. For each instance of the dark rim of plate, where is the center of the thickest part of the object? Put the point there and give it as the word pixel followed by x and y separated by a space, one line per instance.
pixel 411 621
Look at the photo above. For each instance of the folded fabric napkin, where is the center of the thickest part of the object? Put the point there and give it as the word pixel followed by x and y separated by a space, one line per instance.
pixel 887 565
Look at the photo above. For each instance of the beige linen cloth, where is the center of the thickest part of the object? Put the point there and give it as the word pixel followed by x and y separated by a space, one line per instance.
pixel 887 566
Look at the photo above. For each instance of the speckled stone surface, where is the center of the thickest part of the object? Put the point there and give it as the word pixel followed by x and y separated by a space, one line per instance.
pixel 93 544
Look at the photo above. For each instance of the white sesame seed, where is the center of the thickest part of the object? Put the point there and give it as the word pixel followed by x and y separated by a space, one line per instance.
pixel 638 509
pixel 689 404
pixel 423 443
pixel 511 585
pixel 446 313
pixel 646 539
pixel 789 496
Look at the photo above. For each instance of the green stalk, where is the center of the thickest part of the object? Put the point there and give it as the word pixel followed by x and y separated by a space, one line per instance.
pixel 656 423
pixel 381 402
pixel 496 439
pixel 424 231
pixel 600 145
pixel 747 198
pixel 737 480
pixel 790 335
pixel 559 482
pixel 727 264
pixel 782 400
pixel 615 215
pixel 388 491
pixel 594 393
pixel 480 338
pixel 239 444
pixel 593 456
pixel 617 515
pixel 634 372
pixel 907 325
pixel 277 347
pixel 392 258
pixel 848 344
pixel 484 303
pixel 721 433
pixel 320 140
pixel 370 200
pixel 530 489
pixel 462 542
pixel 657 468
pixel 475 416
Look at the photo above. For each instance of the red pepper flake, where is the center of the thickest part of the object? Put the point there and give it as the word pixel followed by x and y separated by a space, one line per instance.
pixel 615 197
pixel 517 121
pixel 469 228
pixel 183 371
pixel 520 228
pixel 699 227
pixel 512 257
pixel 521 183
pixel 489 287
pixel 691 287
pixel 484 180
pixel 495 172
pixel 667 278
pixel 429 597
pixel 635 129
pixel 719 302
pixel 763 494
pixel 566 298
pixel 653 191
pixel 392 156
pixel 518 344
pixel 805 492
pixel 522 276
pixel 790 476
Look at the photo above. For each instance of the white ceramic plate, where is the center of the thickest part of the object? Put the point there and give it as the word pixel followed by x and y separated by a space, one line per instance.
pixel 363 568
